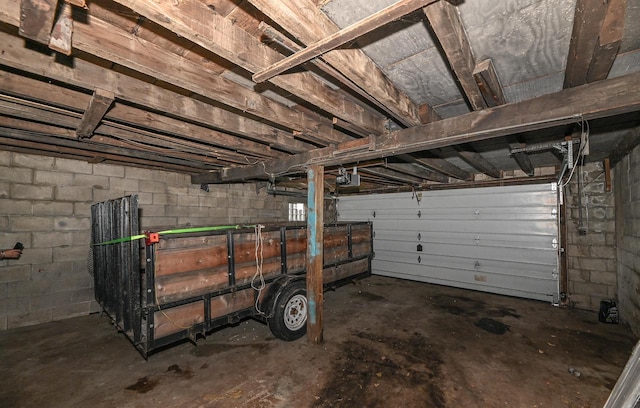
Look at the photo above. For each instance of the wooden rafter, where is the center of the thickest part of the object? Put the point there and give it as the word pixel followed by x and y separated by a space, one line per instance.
pixel 616 96
pixel 195 21
pixel 120 113
pixel 475 160
pixel 341 37
pixel 445 22
pixel 594 43
pixel 138 92
pixel 305 22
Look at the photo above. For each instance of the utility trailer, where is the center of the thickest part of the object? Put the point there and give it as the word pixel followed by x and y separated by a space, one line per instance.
pixel 163 287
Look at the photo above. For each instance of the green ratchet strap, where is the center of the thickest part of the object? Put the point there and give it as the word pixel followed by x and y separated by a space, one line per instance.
pixel 175 231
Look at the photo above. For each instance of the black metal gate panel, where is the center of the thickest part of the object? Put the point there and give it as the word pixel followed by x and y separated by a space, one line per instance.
pixel 116 262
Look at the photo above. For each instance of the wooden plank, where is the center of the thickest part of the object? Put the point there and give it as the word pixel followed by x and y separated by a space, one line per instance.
pixel 62 32
pixel 315 231
pixel 79 3
pixel 231 302
pixel 97 108
pixel 587 22
pixel 138 92
pixel 347 34
pixel 446 24
pixel 596 100
pixel 168 321
pixel 36 19
pixel 488 83
pixel 305 22
pixel 196 22
pixel 476 161
pixel 438 165
pixel 606 49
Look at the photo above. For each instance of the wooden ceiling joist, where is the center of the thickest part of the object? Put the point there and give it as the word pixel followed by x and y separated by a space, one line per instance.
pixel 595 40
pixel 341 37
pixel 445 22
pixel 193 20
pixel 438 165
pixel 475 160
pixel 140 93
pixel 616 96
pixel 22 85
pixel 308 24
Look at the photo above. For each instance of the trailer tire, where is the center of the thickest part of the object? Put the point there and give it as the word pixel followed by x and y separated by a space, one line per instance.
pixel 288 318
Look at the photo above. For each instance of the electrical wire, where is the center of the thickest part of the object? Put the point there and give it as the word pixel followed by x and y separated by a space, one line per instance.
pixel 258 276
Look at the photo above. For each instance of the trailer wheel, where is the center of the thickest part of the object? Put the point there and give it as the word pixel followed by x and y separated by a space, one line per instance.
pixel 288 319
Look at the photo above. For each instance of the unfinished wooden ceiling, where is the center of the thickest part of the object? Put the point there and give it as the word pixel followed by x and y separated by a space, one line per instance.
pixel 414 93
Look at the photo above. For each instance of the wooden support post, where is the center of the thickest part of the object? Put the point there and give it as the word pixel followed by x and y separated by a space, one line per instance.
pixel 315 232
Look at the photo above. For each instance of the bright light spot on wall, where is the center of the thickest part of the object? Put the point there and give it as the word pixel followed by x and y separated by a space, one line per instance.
pixel 297 212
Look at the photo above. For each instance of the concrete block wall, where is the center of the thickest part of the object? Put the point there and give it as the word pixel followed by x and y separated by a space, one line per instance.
pixel 591 242
pixel 45 203
pixel 627 188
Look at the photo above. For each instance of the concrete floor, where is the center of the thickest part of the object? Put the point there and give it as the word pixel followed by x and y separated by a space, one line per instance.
pixel 388 343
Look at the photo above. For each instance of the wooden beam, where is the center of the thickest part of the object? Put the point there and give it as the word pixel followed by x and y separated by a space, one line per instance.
pixel 447 26
pixel 628 142
pixel 488 83
pixel 36 19
pixel 347 34
pixel 117 134
pixel 315 252
pixel 609 40
pixel 592 50
pixel 97 108
pixel 443 166
pixel 478 162
pixel 418 172
pixel 193 20
pixel 45 142
pixel 522 159
pixel 79 3
pixel 113 44
pixel 52 94
pixel 135 91
pixel 614 96
pixel 308 24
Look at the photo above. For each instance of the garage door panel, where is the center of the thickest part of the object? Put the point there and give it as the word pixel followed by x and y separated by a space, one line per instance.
pixel 499 239
pixel 534 287
pixel 542 241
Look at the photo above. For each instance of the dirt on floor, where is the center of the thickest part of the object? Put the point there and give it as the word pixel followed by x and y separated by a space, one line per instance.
pixel 388 343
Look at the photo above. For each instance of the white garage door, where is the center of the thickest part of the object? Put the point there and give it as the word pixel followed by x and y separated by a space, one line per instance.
pixel 497 239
